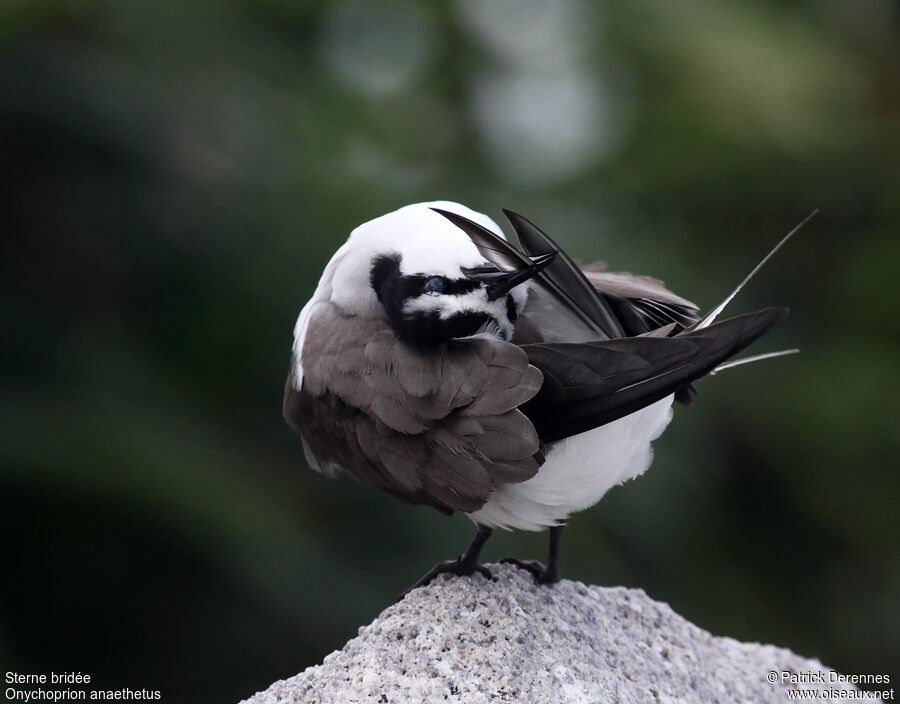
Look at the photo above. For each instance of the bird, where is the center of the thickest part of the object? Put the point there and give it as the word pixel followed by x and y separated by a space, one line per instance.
pixel 440 364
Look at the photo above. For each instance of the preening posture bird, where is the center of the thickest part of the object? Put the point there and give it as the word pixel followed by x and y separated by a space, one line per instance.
pixel 441 365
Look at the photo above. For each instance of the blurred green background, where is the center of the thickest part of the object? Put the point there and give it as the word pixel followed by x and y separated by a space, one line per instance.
pixel 177 174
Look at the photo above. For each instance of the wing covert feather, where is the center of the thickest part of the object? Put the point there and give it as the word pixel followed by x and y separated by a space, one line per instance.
pixel 438 426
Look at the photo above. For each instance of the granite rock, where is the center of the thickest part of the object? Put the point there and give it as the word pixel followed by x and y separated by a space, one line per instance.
pixel 477 641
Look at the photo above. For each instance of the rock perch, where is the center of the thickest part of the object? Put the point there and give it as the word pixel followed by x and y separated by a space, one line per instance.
pixel 470 640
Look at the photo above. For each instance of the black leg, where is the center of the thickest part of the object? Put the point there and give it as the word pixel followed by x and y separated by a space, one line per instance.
pixel 544 574
pixel 551 571
pixel 464 565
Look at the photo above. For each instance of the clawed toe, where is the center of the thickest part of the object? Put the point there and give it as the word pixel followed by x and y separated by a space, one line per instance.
pixel 532 566
pixel 456 567
pixel 542 574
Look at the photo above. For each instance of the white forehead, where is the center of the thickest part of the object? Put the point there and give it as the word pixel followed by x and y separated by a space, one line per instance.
pixel 427 242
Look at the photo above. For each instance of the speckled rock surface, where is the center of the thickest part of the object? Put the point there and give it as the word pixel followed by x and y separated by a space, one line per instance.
pixel 470 640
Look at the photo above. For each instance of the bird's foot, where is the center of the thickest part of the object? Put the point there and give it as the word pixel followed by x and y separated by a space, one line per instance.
pixel 543 574
pixel 459 567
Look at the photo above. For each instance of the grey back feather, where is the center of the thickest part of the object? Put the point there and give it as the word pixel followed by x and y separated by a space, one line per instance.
pixel 627 285
pixel 643 303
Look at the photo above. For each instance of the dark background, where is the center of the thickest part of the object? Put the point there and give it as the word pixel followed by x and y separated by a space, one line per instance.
pixel 177 174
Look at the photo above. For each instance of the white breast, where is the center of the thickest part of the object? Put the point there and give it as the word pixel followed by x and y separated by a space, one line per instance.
pixel 578 472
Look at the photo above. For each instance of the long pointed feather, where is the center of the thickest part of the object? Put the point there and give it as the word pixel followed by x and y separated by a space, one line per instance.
pixel 565 275
pixel 752 358
pixel 495 249
pixel 710 317
pixel 507 257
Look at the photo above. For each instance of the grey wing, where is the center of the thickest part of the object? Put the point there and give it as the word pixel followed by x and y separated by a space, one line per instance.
pixel 642 303
pixel 432 426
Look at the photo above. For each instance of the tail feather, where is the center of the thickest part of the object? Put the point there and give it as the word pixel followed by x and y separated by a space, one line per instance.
pixel 751 359
pixel 710 317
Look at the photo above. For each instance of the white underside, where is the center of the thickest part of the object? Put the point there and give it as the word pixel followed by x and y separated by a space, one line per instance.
pixel 578 471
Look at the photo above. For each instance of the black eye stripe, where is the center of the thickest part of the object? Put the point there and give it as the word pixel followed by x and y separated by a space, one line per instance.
pixel 429 327
pixel 412 286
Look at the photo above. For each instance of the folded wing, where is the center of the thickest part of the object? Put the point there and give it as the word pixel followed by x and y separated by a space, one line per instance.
pixel 587 385
pixel 565 277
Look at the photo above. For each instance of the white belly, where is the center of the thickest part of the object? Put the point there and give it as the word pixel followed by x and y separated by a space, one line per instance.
pixel 578 472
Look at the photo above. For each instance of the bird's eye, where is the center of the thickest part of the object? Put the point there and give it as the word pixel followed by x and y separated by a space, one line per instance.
pixel 435 285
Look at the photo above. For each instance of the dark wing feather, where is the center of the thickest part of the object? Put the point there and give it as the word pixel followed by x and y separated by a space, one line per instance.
pixel 642 302
pixel 435 426
pixel 565 277
pixel 644 305
pixel 495 249
pixel 548 298
pixel 589 384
